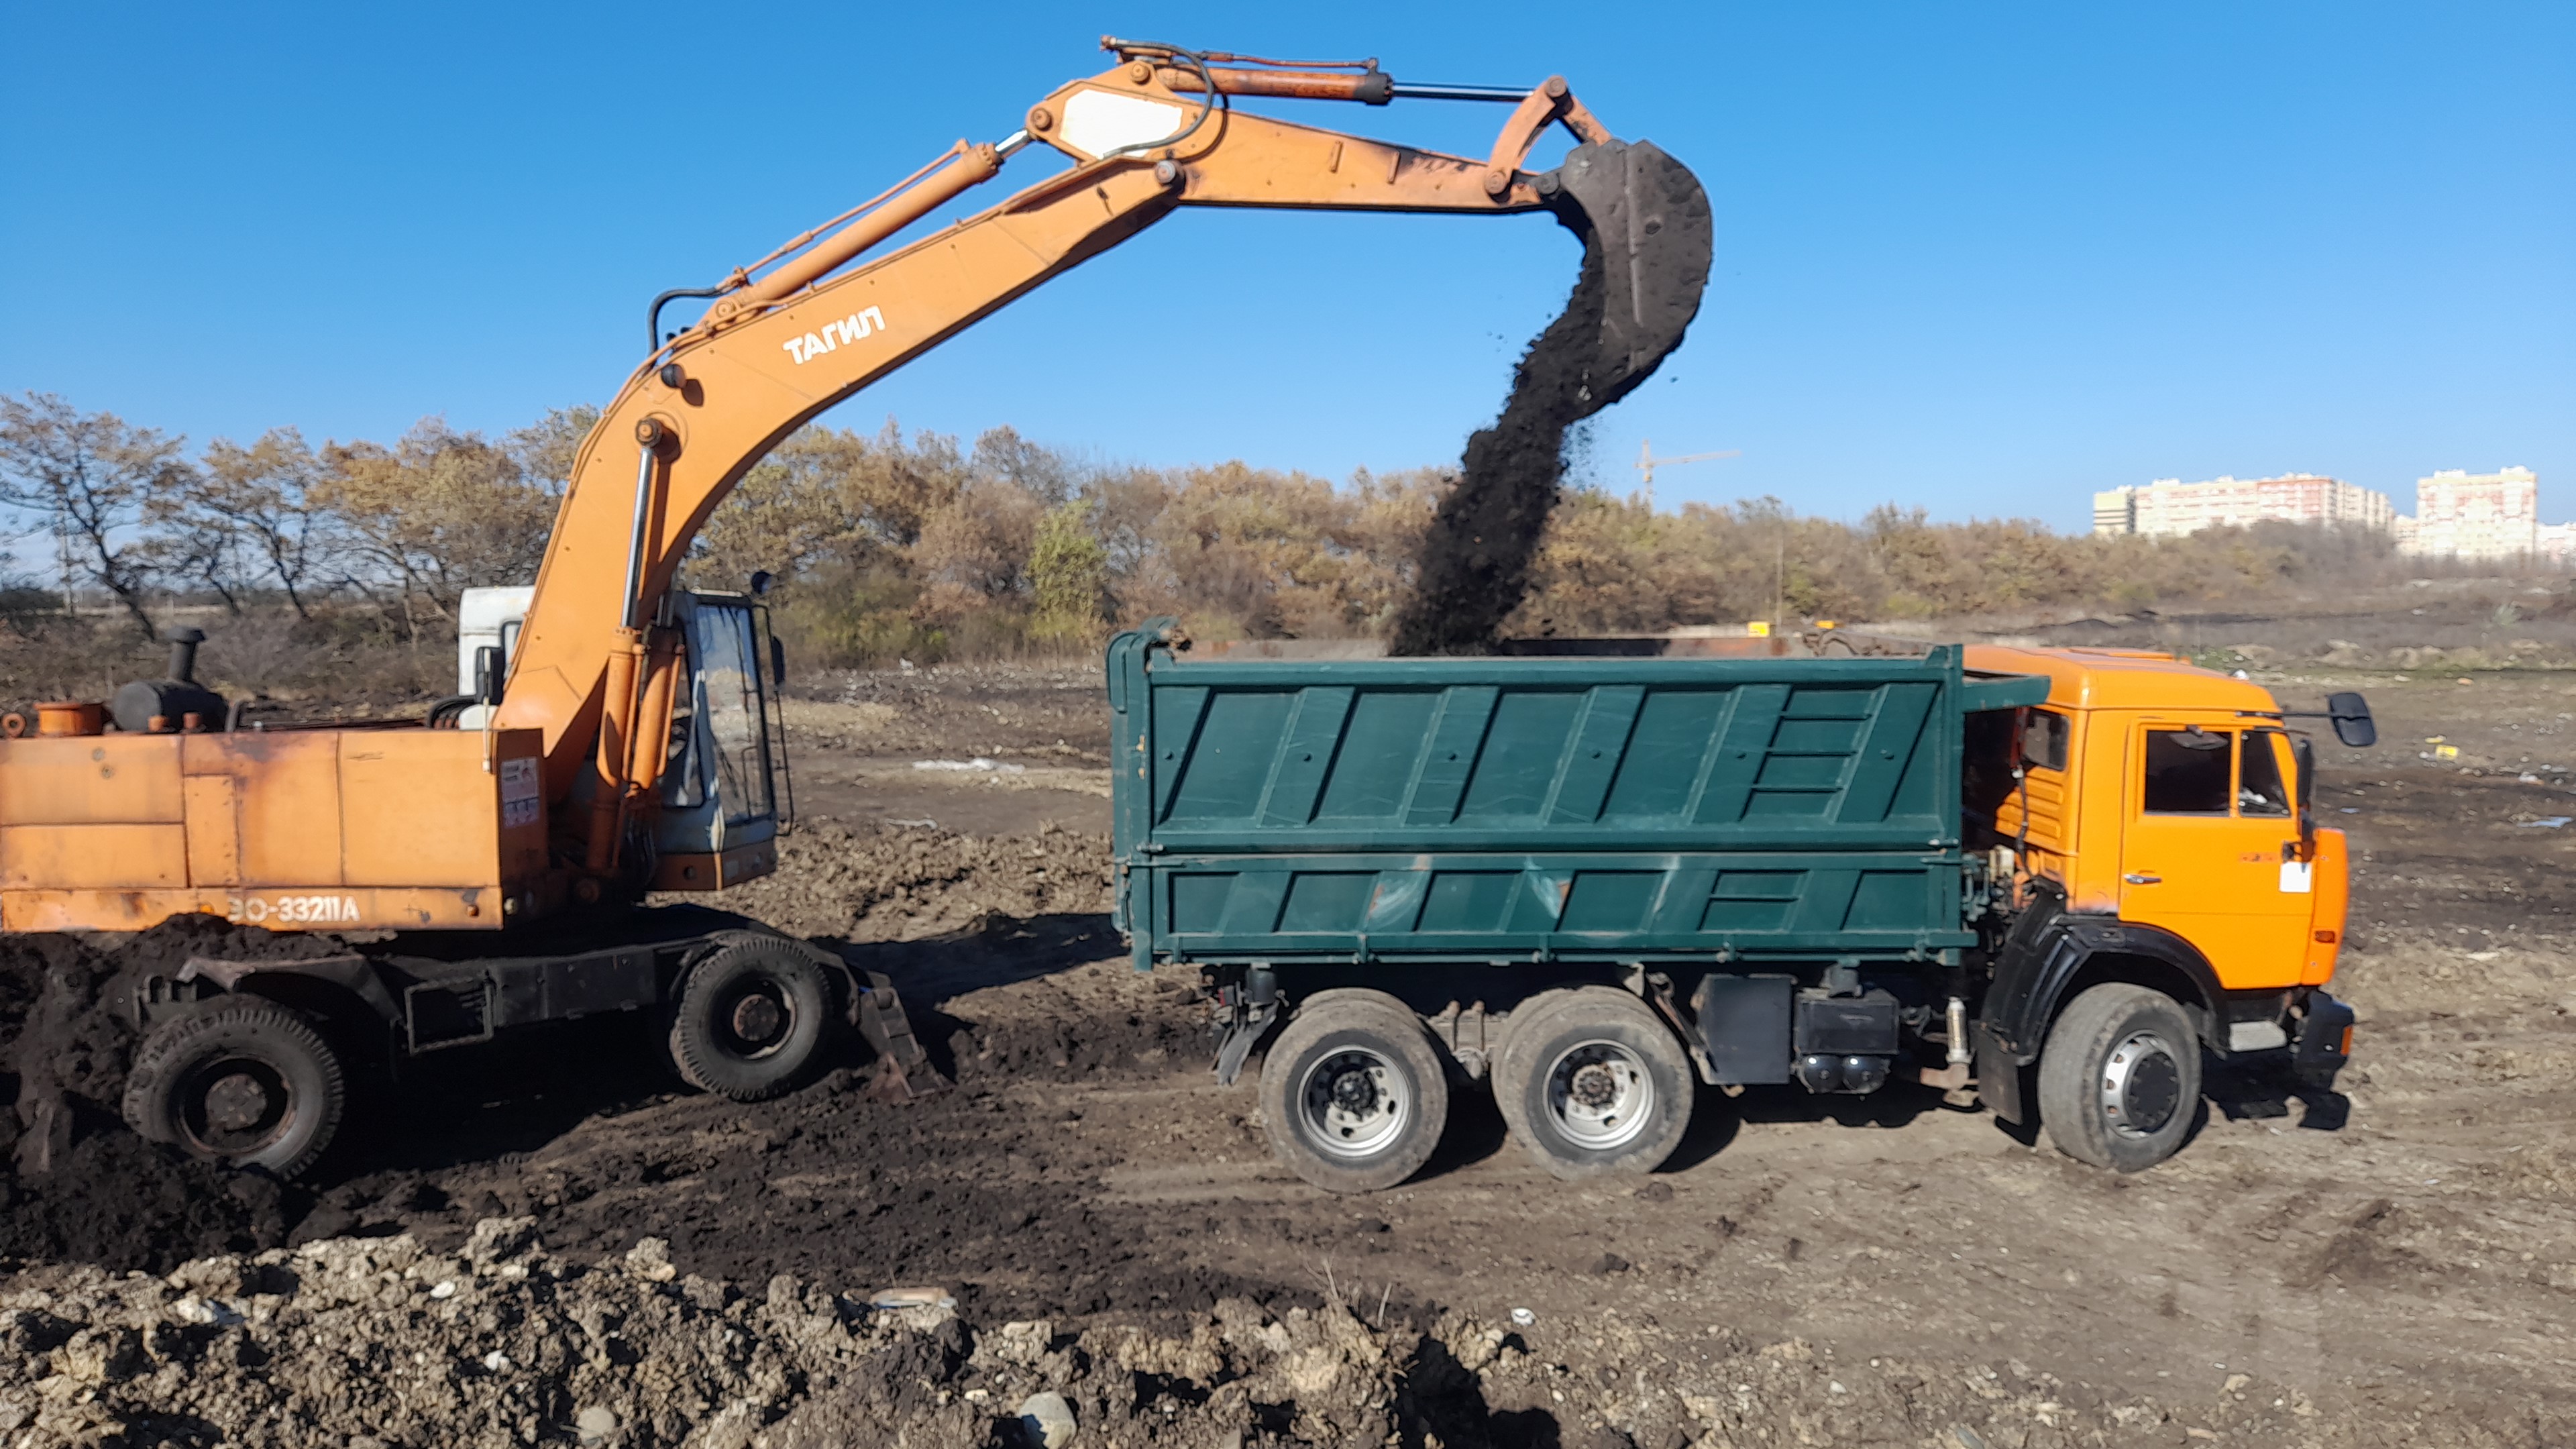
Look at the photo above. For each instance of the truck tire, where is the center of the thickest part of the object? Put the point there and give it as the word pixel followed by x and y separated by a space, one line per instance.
pixel 1593 1083
pixel 753 1019
pixel 240 1081
pixel 1354 1095
pixel 2119 1079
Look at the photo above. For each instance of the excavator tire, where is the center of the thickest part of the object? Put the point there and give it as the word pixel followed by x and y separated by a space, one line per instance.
pixel 754 1019
pixel 239 1081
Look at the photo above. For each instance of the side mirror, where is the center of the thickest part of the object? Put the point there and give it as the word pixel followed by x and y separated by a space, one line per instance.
pixel 777 664
pixel 487 673
pixel 2352 722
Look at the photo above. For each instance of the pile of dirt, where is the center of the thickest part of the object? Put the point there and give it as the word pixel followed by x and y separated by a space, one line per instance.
pixel 77 1185
pixel 385 1343
pixel 1645 260
pixel 899 883
pixel 382 1342
pixel 985 1190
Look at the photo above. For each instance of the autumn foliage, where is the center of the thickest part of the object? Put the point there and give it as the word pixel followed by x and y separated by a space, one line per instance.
pixel 886 546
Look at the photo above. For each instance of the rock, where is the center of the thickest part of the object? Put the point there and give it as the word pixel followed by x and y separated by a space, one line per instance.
pixel 650 1260
pixel 1609 1263
pixel 595 1424
pixel 1046 1420
pixel 497 1240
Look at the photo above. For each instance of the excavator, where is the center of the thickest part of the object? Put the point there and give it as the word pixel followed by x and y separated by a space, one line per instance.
pixel 618 735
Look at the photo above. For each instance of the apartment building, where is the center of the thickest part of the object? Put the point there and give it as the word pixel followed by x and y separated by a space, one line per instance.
pixel 2171 506
pixel 2460 514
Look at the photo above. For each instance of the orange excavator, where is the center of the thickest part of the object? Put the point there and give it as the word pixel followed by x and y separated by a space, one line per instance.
pixel 617 735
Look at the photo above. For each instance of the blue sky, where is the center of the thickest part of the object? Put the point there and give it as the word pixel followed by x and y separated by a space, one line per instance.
pixel 1981 258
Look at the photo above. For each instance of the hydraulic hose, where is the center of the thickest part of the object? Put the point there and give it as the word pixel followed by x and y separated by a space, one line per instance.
pixel 653 327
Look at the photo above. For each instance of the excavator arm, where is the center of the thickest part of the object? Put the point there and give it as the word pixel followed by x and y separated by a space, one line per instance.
pixel 1152 134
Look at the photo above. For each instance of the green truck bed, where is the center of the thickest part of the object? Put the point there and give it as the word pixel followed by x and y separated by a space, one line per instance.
pixel 1532 809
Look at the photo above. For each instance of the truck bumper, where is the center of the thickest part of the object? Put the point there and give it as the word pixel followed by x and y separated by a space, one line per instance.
pixel 2324 1041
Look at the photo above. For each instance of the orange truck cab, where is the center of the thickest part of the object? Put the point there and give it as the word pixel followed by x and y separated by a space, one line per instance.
pixel 2150 824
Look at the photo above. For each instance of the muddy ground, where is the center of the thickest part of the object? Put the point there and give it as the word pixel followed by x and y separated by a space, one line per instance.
pixel 1883 1270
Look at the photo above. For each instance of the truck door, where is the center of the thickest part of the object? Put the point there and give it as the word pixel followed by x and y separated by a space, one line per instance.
pixel 2209 848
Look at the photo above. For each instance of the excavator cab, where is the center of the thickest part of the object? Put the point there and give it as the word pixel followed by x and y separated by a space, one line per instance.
pixel 725 791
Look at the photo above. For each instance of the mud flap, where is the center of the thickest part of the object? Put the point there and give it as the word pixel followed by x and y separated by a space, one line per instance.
pixel 1245 1033
pixel 2324 1044
pixel 903 1071
pixel 1998 1076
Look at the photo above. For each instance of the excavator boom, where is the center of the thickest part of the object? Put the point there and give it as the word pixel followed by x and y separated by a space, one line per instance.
pixel 614 734
pixel 1152 134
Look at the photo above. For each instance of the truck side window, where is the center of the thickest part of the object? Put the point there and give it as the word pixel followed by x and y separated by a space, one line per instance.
pixel 2258 778
pixel 2187 772
pixel 2043 740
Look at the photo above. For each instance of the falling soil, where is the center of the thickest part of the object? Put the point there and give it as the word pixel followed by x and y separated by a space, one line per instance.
pixel 1645 260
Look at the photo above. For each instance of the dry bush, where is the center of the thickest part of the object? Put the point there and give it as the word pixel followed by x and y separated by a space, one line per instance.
pixel 887 546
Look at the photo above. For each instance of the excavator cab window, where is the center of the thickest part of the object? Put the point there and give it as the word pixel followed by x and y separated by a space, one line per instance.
pixel 731 706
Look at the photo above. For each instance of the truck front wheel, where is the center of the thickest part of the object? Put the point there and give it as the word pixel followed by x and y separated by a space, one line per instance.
pixel 1593 1083
pixel 1353 1094
pixel 2119 1080
pixel 752 1020
pixel 240 1081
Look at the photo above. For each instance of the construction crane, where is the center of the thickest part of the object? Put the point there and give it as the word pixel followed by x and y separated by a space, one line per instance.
pixel 615 734
pixel 1647 463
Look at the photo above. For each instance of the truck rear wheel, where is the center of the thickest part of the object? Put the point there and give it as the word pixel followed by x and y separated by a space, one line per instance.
pixel 240 1081
pixel 1353 1093
pixel 752 1020
pixel 1593 1083
pixel 2119 1080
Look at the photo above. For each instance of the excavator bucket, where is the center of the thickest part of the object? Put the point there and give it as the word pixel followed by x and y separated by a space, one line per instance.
pixel 903 1072
pixel 1645 225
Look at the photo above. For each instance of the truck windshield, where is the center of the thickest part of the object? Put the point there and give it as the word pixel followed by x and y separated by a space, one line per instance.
pixel 2258 778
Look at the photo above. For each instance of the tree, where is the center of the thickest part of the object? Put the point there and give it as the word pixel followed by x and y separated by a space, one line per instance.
pixel 95 476
pixel 1002 453
pixel 546 449
pixel 1068 575
pixel 974 551
pixel 259 503
pixel 438 513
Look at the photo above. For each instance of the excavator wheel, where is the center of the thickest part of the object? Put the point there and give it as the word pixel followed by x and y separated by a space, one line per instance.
pixel 754 1019
pixel 239 1081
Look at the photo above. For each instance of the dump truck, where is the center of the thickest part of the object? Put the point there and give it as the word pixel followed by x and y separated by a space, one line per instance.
pixel 1601 875
pixel 616 734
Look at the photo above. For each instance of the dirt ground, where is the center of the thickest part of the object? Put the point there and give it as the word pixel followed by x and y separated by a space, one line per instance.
pixel 1806 1271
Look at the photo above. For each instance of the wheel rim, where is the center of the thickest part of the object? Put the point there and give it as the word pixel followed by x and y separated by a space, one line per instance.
pixel 2141 1085
pixel 755 1019
pixel 1355 1102
pixel 1600 1095
pixel 234 1107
